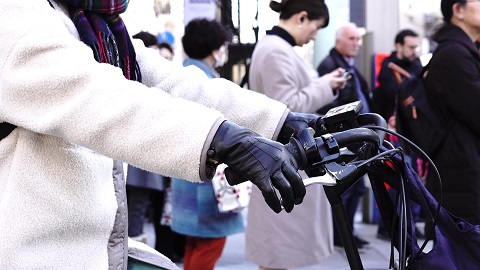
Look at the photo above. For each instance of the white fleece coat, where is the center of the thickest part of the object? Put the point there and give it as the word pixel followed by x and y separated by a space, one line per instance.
pixel 57 202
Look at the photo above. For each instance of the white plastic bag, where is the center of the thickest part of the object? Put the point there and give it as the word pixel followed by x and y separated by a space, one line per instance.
pixel 230 198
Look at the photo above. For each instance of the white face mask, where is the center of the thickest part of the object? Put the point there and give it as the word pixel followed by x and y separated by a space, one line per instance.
pixel 221 56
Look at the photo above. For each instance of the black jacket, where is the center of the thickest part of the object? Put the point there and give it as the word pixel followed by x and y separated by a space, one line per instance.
pixel 384 94
pixel 349 94
pixel 453 89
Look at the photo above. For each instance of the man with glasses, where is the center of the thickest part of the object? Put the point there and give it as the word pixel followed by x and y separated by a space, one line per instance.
pixel 405 55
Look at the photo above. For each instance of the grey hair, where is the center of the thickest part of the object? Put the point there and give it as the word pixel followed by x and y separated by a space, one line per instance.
pixel 342 28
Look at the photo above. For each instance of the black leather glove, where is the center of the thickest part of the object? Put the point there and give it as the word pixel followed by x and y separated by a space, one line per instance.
pixel 266 163
pixel 295 122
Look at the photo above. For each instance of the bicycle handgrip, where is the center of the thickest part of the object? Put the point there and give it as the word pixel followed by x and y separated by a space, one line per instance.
pixel 366 119
pixel 306 149
pixel 355 135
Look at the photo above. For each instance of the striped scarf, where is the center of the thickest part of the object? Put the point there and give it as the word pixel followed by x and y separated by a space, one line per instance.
pixel 101 28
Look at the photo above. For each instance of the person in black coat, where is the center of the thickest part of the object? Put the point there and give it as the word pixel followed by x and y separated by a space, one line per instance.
pixel 453 89
pixel 342 55
pixel 347 45
pixel 384 97
pixel 405 56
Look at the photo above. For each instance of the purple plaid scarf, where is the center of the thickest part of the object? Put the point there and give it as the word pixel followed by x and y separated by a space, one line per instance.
pixel 100 27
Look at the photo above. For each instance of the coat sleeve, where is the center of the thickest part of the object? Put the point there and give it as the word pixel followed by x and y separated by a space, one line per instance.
pixel 50 84
pixel 458 81
pixel 235 103
pixel 326 66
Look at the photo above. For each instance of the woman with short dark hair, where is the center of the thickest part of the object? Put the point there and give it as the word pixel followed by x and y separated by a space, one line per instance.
pixel 194 205
pixel 205 42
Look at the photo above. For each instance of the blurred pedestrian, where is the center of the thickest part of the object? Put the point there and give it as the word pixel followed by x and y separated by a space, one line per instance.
pixel 342 55
pixel 404 56
pixel 272 240
pixel 149 40
pixel 452 85
pixel 195 210
pixel 166 50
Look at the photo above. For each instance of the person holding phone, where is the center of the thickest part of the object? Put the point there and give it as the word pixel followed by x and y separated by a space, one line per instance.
pixel 347 45
pixel 277 71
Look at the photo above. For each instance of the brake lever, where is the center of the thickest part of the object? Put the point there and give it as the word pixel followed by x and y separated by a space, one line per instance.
pixel 326 180
pixel 334 173
pixel 344 151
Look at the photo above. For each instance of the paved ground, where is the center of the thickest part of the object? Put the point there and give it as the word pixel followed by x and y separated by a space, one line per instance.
pixel 375 256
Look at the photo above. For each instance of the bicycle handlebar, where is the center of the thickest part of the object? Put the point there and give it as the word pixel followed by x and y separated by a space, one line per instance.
pixel 310 151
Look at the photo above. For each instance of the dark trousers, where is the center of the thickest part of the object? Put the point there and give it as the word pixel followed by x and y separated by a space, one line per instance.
pixel 350 199
pixel 167 242
pixel 138 201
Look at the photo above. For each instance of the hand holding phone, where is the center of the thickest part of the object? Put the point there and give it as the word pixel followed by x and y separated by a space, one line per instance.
pixel 336 80
pixel 346 75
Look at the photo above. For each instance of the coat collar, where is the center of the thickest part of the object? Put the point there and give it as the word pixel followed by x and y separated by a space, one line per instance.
pixel 278 31
pixel 339 59
pixel 209 70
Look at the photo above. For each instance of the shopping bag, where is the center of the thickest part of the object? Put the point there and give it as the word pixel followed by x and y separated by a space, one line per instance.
pixel 166 218
pixel 230 198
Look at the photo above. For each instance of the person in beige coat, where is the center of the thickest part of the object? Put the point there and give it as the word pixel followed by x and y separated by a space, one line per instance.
pixel 76 100
pixel 304 237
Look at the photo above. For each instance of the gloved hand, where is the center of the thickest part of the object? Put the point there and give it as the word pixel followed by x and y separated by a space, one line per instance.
pixel 295 122
pixel 266 163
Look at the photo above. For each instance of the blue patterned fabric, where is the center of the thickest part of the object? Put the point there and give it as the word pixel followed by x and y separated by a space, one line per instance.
pixel 195 211
pixel 194 206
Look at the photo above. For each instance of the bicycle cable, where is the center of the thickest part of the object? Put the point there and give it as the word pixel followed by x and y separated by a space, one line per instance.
pixel 399 202
pixel 439 199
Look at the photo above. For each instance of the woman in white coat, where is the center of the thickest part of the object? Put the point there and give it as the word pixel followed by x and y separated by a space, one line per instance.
pixel 304 237
pixel 70 81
